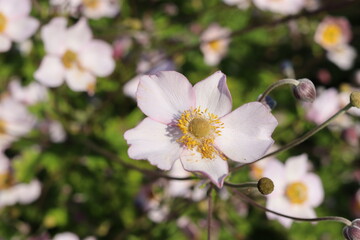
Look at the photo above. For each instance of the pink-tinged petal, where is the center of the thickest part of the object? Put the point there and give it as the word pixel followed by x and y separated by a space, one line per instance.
pixel 301 211
pixel 315 189
pixel 296 168
pixel 213 94
pixel 97 58
pixel 281 205
pixel 78 35
pixel 51 72
pixel 131 87
pixel 54 36
pixel 165 96
pixel 155 142
pixel 5 163
pixel 275 170
pixel 28 192
pixel 8 197
pixel 79 80
pixel 14 9
pixel 5 43
pixel 22 28
pixel 246 135
pixel 216 169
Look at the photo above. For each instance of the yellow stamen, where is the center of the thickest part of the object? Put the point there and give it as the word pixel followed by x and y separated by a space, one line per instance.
pixel 296 192
pixel 2 127
pixel 91 3
pixel 3 22
pixel 331 35
pixel 6 181
pixel 69 59
pixel 215 45
pixel 200 129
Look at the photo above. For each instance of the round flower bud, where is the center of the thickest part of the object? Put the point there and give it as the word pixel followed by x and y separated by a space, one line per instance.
pixel 355 99
pixel 265 186
pixel 305 90
pixel 352 232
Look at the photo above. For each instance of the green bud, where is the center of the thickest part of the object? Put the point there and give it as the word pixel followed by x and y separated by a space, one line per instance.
pixel 265 186
pixel 355 99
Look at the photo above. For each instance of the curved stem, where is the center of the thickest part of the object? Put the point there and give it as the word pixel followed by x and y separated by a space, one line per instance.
pixel 328 218
pixel 210 212
pixel 277 84
pixel 241 185
pixel 301 139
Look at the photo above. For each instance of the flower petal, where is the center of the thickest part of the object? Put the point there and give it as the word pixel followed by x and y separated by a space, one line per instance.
pixel 79 80
pixel 213 94
pixel 247 132
pixel 22 28
pixel 27 193
pixel 54 34
pixel 296 168
pixel 315 189
pixel 97 58
pixel 155 142
pixel 275 170
pixel 16 8
pixel 5 43
pixel 51 72
pixel 216 169
pixel 164 96
pixel 281 205
pixel 78 35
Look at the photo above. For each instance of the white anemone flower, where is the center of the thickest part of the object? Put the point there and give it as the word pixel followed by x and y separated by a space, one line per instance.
pixel 15 23
pixel 342 56
pixel 196 125
pixel 94 9
pixel 73 56
pixel 215 42
pixel 297 191
pixel 242 4
pixel 285 7
pixel 66 236
pixel 28 95
pixel 15 121
pixel 333 32
pixel 12 193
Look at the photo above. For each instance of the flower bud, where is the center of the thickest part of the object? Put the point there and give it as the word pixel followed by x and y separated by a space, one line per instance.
pixel 352 232
pixel 265 186
pixel 355 99
pixel 305 90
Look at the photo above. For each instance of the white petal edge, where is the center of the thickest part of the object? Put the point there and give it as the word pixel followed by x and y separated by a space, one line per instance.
pixel 165 96
pixel 54 36
pixel 16 8
pixel 78 35
pixel 281 205
pixel 155 142
pixel 22 28
pixel 79 80
pixel 213 94
pixel 97 58
pixel 5 43
pixel 296 168
pixel 215 169
pixel 315 189
pixel 246 135
pixel 51 72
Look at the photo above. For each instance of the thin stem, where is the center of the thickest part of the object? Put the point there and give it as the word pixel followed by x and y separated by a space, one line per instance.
pixel 328 218
pixel 277 84
pixel 301 139
pixel 241 185
pixel 210 212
